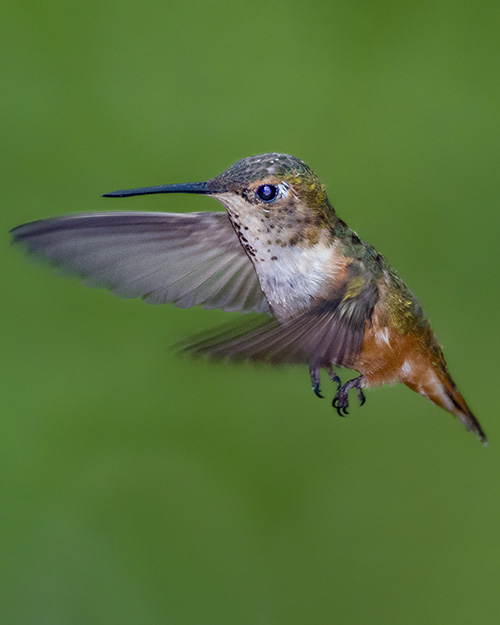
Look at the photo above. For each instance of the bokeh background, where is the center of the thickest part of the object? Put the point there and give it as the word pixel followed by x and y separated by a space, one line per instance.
pixel 140 487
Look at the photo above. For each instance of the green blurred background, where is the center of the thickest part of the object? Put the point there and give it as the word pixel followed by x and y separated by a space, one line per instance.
pixel 140 487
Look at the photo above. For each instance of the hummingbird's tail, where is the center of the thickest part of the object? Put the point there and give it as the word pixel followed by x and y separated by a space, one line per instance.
pixel 461 410
pixel 442 391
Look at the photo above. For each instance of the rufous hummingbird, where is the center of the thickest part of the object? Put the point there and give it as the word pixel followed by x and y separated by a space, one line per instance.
pixel 330 299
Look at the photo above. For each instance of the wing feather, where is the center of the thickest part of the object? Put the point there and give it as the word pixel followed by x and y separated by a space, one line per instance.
pixel 188 259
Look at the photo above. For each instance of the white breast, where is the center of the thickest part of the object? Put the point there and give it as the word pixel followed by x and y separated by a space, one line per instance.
pixel 292 277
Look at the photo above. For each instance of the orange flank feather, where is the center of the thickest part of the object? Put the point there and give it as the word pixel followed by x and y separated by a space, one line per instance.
pixel 389 355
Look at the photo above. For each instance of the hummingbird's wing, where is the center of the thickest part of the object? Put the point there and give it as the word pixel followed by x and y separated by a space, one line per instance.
pixel 189 259
pixel 330 333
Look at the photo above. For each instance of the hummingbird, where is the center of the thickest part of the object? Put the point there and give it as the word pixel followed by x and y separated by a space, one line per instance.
pixel 326 298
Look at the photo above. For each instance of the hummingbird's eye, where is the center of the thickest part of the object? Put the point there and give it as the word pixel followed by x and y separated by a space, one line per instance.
pixel 267 192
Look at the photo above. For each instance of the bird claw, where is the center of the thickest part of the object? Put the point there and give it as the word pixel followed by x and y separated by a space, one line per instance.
pixel 316 390
pixel 361 397
pixel 341 399
pixel 315 380
pixel 340 408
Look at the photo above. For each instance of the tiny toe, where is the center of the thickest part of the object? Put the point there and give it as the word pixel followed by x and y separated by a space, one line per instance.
pixel 340 406
pixel 315 381
pixel 361 397
pixel 317 392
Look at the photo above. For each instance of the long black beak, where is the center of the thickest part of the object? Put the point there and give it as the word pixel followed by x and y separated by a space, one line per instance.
pixel 183 187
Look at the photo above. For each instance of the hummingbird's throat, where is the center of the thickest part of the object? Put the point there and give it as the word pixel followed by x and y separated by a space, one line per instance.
pixel 292 269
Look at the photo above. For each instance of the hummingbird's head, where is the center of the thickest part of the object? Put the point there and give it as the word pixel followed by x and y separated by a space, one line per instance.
pixel 276 186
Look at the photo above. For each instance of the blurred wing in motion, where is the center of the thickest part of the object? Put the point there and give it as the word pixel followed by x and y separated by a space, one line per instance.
pixel 189 259
pixel 330 333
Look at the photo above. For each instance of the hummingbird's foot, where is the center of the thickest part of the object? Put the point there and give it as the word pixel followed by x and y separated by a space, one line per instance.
pixel 341 399
pixel 334 377
pixel 361 396
pixel 317 391
pixel 315 380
